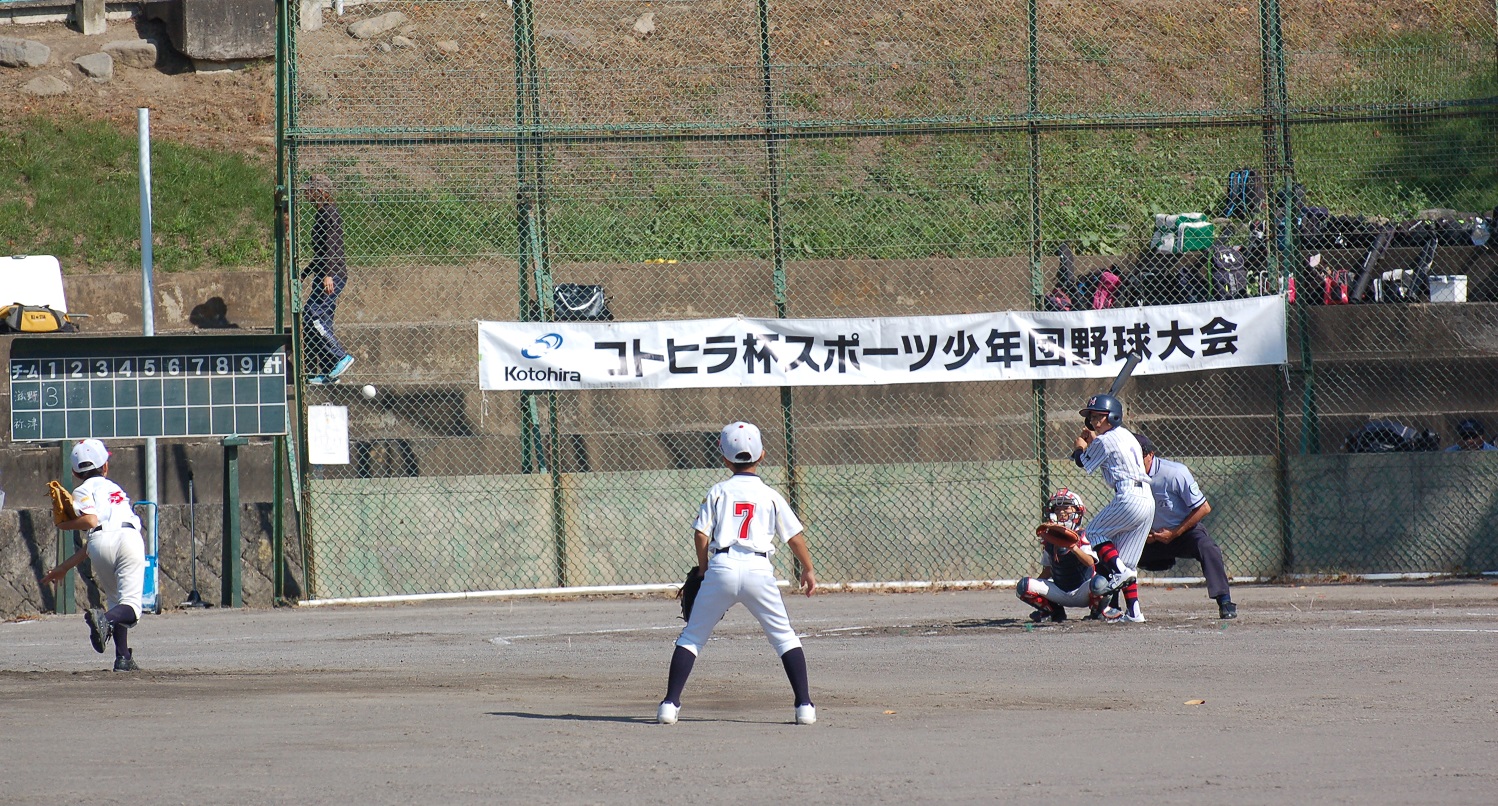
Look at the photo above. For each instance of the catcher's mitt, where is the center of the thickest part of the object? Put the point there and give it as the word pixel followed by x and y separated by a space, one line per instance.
pixel 688 592
pixel 1057 535
pixel 62 503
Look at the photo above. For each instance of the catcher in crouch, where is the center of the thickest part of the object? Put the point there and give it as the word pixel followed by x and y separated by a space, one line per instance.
pixel 1067 562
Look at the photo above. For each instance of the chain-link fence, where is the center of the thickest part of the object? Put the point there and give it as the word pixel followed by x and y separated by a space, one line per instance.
pixel 836 159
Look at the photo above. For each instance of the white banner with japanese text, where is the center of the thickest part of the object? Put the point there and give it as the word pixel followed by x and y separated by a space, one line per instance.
pixel 1015 345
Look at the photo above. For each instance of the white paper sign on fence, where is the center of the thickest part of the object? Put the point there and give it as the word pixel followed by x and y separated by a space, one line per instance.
pixel 1015 345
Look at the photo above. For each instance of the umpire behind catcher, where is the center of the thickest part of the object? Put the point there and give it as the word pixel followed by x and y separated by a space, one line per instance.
pixel 1177 530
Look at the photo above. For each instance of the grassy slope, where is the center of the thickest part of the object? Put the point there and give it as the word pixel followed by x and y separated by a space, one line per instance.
pixel 71 189
pixel 68 188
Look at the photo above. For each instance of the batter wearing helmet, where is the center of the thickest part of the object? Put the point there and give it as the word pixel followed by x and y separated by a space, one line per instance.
pixel 1122 525
pixel 1065 571
pixel 735 533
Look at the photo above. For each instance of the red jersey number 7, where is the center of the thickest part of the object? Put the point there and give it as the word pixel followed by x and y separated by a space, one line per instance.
pixel 745 510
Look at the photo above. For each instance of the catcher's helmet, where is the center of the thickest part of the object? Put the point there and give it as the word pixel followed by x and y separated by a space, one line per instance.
pixel 1107 404
pixel 1066 498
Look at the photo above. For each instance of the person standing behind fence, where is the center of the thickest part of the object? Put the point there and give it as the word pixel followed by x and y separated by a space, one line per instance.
pixel 1471 436
pixel 326 358
pixel 1177 530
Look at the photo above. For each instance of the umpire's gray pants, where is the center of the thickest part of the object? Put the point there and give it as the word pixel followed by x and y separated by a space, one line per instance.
pixel 1125 522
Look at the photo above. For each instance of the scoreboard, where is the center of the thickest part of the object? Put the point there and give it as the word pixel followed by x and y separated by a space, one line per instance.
pixel 66 387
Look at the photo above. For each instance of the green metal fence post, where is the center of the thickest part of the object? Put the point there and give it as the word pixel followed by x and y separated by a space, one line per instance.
pixel 1037 237
pixel 231 571
pixel 773 139
pixel 282 210
pixel 67 543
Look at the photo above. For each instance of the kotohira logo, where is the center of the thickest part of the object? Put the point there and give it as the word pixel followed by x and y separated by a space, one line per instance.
pixel 543 346
pixel 540 375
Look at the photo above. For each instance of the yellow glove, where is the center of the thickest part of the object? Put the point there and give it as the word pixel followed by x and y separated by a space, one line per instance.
pixel 62 503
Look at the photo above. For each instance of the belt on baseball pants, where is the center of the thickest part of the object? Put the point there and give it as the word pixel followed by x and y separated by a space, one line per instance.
pixel 1124 485
pixel 121 526
pixel 757 553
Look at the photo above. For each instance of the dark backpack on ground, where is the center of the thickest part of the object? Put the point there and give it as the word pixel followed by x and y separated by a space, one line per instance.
pixel 18 318
pixel 1387 436
pixel 1229 272
pixel 581 303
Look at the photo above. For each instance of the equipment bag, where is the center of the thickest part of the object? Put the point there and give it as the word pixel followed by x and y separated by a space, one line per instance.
pixel 1387 436
pixel 1229 272
pixel 1245 194
pixel 581 303
pixel 18 318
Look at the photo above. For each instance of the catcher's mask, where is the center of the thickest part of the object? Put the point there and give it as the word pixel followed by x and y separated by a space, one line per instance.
pixel 1061 500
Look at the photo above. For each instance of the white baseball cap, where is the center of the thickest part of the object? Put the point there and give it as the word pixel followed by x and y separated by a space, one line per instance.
pixel 89 454
pixel 740 442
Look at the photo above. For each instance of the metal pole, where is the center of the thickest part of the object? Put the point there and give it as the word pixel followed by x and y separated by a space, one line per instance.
pixel 777 247
pixel 281 207
pixel 148 317
pixel 1037 235
pixel 232 593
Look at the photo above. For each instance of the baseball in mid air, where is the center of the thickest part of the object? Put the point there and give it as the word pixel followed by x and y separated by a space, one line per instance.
pixel 369 391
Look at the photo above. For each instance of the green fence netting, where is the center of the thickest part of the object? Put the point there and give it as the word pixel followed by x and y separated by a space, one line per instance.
pixel 850 159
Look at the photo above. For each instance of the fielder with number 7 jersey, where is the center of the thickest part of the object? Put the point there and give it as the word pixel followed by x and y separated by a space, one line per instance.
pixel 736 532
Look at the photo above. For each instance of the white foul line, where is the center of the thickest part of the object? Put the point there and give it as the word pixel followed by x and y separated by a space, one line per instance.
pixel 1416 629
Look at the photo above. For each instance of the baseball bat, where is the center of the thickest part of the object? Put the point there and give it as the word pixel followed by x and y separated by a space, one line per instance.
pixel 1123 375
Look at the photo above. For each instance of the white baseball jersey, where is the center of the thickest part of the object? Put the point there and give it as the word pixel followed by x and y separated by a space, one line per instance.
pixel 115 549
pixel 746 513
pixel 1118 454
pixel 1125 520
pixel 743 518
pixel 105 500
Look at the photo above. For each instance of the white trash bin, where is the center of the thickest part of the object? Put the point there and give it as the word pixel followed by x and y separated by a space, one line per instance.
pixel 1448 288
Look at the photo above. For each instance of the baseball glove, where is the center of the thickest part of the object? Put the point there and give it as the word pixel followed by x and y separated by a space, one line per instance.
pixel 62 503
pixel 688 592
pixel 1057 535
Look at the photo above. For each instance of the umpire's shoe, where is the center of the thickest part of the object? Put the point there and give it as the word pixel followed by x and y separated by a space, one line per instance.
pixel 1227 610
pixel 99 630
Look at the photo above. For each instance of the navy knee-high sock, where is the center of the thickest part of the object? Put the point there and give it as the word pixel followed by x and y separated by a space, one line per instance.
pixel 681 668
pixel 120 618
pixel 794 661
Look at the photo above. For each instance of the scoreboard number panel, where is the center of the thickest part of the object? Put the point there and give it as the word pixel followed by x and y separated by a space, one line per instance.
pixel 64 388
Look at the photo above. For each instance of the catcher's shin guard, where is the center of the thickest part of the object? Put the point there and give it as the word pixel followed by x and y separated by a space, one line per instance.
pixel 1035 600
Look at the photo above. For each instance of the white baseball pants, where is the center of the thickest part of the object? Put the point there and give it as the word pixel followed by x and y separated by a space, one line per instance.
pixel 1125 521
pixel 1048 590
pixel 739 577
pixel 119 560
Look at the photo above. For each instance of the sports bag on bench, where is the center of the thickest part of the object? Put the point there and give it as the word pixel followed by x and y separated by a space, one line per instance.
pixel 18 318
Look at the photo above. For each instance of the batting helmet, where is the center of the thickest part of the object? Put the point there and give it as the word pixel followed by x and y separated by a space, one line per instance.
pixel 1107 404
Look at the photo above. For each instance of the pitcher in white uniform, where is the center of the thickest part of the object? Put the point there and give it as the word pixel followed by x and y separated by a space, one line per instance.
pixel 736 532
pixel 115 549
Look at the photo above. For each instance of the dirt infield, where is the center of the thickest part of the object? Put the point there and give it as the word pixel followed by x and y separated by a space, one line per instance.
pixel 1335 693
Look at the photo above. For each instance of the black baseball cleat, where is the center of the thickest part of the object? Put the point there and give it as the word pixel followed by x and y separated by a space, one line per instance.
pixel 1227 610
pixel 125 663
pixel 99 630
